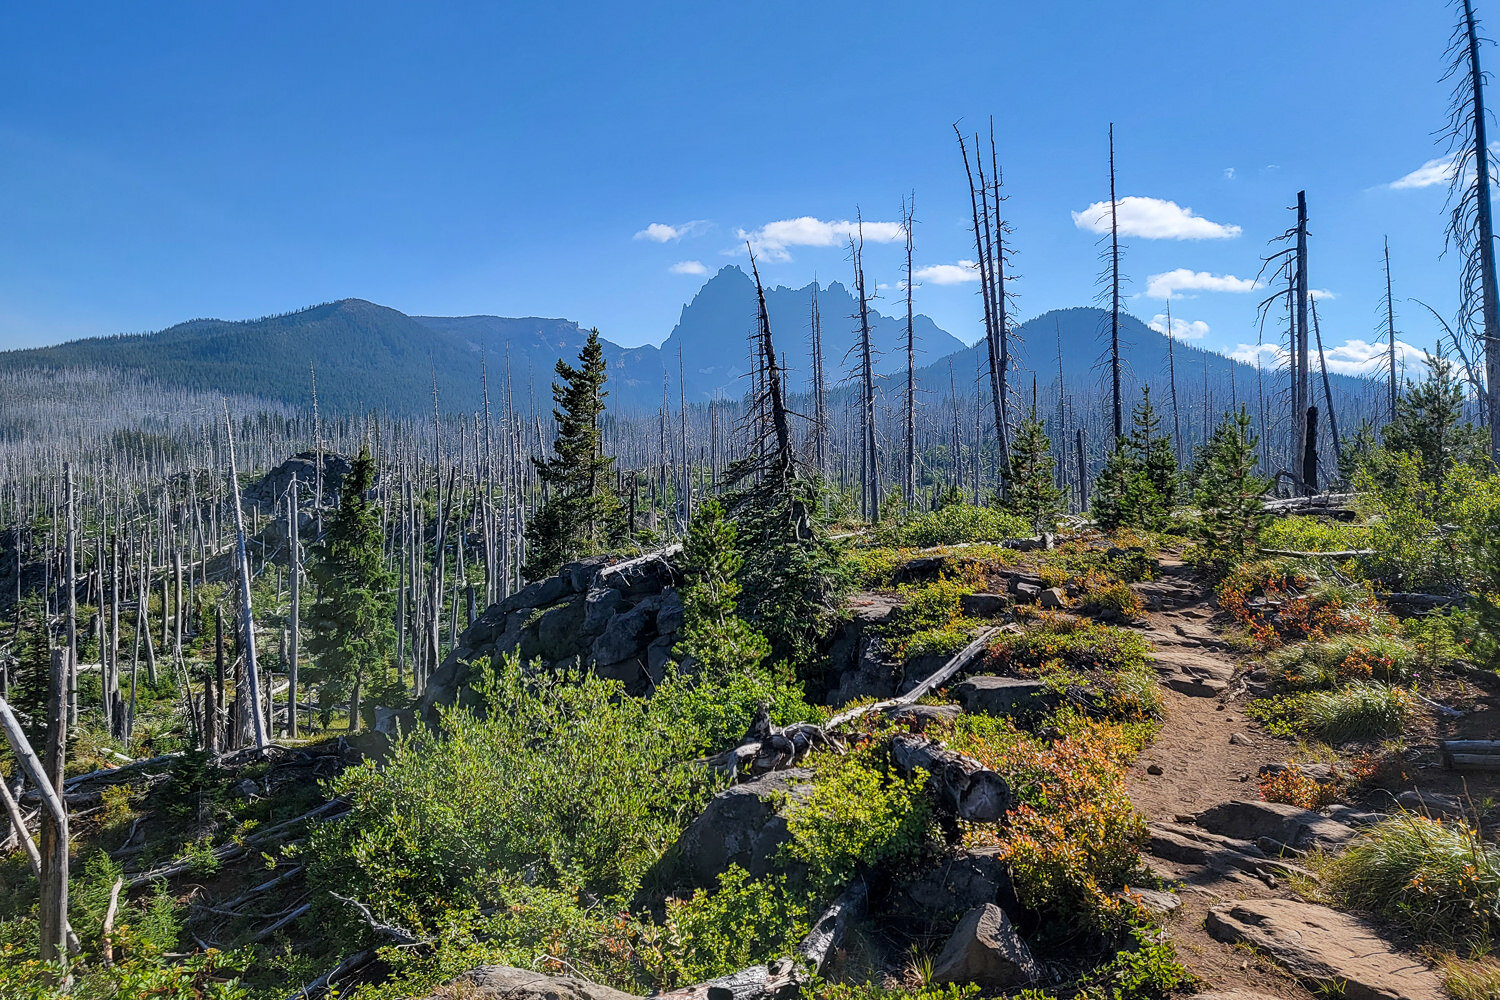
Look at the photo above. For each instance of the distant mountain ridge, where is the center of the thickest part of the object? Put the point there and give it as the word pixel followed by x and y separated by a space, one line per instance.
pixel 367 356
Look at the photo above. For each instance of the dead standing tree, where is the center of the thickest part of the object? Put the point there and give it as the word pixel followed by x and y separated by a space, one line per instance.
pixel 908 211
pixel 1471 226
pixel 869 454
pixel 993 324
pixel 1289 265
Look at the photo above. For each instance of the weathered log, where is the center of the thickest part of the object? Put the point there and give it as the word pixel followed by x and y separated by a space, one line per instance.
pixel 658 555
pixel 935 680
pixel 1478 755
pixel 352 963
pixel 232 850
pixel 828 933
pixel 959 784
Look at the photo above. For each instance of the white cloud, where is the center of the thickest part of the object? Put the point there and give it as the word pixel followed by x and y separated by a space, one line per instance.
pixel 948 274
pixel 1319 294
pixel 1153 219
pixel 1254 354
pixel 688 267
pixel 1229 173
pixel 773 239
pixel 1433 172
pixel 1352 357
pixel 1165 285
pixel 1181 329
pixel 660 232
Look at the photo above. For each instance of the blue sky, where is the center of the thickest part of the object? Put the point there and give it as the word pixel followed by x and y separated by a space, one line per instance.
pixel 167 161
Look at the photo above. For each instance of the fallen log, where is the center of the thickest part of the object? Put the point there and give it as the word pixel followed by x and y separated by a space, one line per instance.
pixel 959 784
pixel 352 963
pixel 1478 755
pixel 657 555
pixel 233 850
pixel 935 680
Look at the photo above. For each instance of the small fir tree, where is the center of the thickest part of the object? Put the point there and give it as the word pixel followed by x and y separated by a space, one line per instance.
pixel 1033 493
pixel 717 640
pixel 1138 485
pixel 1429 423
pixel 351 633
pixel 1229 494
pixel 581 514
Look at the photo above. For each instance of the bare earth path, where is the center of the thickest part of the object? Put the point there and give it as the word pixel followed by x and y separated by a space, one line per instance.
pixel 1209 753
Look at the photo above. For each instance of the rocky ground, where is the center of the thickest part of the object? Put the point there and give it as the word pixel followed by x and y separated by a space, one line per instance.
pixel 1231 858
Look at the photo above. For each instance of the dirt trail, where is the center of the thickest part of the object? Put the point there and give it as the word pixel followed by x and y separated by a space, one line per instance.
pixel 1207 752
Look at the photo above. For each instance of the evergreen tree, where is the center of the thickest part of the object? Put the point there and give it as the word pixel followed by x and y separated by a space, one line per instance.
pixel 1229 493
pixel 713 635
pixel 1429 423
pixel 1107 498
pixel 1033 493
pixel 1138 485
pixel 581 514
pixel 1357 449
pixel 351 633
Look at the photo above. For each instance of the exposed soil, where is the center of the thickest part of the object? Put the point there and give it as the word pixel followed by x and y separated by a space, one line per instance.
pixel 1209 752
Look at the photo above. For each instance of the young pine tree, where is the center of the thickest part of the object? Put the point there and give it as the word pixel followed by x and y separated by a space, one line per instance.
pixel 1429 424
pixel 1138 485
pixel 351 633
pixel 1229 493
pixel 581 514
pixel 1033 494
pixel 716 639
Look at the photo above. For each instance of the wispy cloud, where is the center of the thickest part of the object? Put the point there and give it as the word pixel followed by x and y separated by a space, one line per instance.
pixel 1352 357
pixel 774 238
pixel 1169 283
pixel 688 267
pixel 961 273
pixel 1182 329
pixel 661 232
pixel 1153 219
pixel 1229 173
pixel 1429 174
pixel 1319 294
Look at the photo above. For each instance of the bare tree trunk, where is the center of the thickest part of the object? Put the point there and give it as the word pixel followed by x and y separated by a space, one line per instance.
pixel 1172 382
pixel 1116 408
pixel 869 457
pixel 52 913
pixel 1485 240
pixel 1390 334
pixel 70 582
pixel 294 569
pixel 1300 393
pixel 1333 422
pixel 820 388
pixel 252 678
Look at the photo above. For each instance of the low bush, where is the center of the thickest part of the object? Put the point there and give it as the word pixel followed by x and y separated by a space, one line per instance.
pixel 1073 838
pixel 1471 980
pixel 1439 880
pixel 930 620
pixel 1293 787
pixel 739 924
pixel 860 815
pixel 953 525
pixel 1314 534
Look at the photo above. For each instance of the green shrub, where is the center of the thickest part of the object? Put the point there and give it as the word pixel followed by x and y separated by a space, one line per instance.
pixel 561 779
pixel 929 621
pixel 859 815
pixel 741 923
pixel 954 525
pixel 1360 712
pixel 1438 879
pixel 1296 533
pixel 1427 534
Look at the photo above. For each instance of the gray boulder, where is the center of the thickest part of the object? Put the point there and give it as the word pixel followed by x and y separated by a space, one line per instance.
pixel 1294 827
pixel 742 825
pixel 953 887
pixel 1010 696
pixel 669 615
pixel 627 634
pixel 984 605
pixel 599 607
pixel 986 950
pixel 559 632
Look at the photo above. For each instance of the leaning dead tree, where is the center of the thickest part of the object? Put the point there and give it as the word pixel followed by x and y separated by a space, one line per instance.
pixel 990 249
pixel 1471 225
pixel 1117 411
